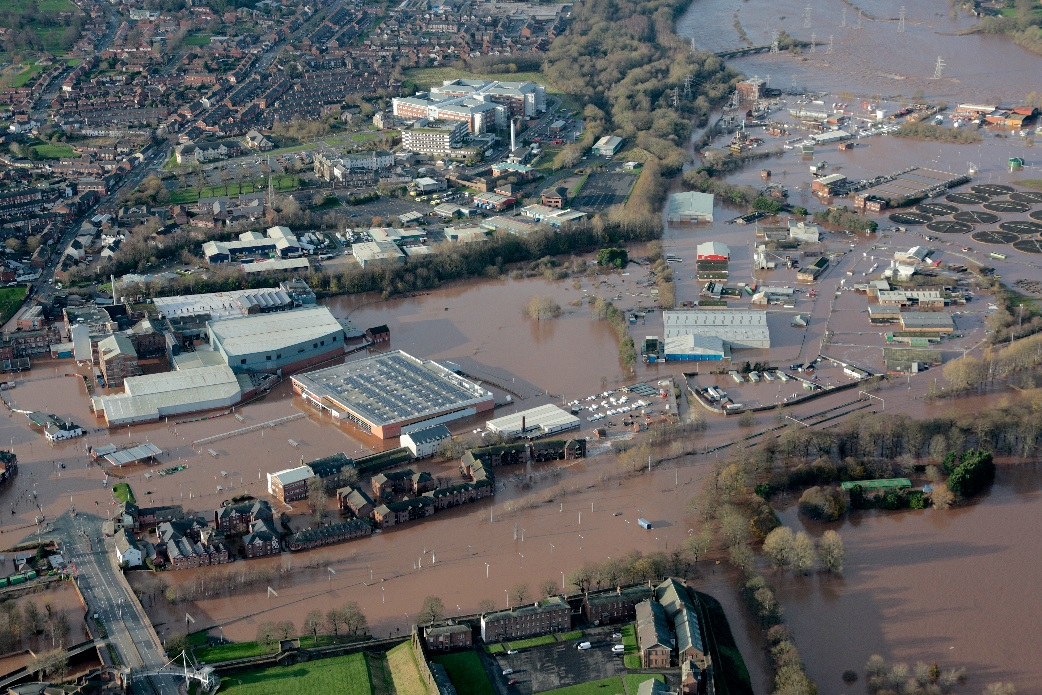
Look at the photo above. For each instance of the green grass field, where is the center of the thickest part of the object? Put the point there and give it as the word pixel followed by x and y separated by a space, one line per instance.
pixel 405 672
pixel 198 39
pixel 282 183
pixel 633 680
pixel 608 686
pixel 568 636
pixel 467 673
pixel 121 492
pixel 235 650
pixel 10 299
pixel 342 675
pixel 59 151
pixel 20 79
pixel 532 642
pixel 50 36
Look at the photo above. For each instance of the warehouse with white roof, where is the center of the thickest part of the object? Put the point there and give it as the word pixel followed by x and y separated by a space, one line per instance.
pixel 737 328
pixel 284 341
pixel 154 396
pixel 535 422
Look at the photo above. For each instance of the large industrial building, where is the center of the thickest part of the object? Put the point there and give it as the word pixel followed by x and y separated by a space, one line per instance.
pixel 535 422
pixel 691 207
pixel 153 396
pixel 480 104
pixel 285 342
pixel 391 393
pixel 906 188
pixel 223 305
pixel 277 241
pixel 738 328
pixel 695 348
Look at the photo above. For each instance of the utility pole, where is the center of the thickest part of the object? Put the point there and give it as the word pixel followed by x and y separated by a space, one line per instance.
pixel 806 17
pixel 813 42
pixel 844 22
pixel 774 42
pixel 829 49
pixel 901 21
pixel 860 13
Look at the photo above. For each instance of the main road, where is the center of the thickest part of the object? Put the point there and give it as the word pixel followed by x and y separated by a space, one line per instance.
pixel 110 602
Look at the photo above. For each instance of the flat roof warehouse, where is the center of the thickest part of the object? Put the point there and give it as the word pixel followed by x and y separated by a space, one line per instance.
pixel 393 392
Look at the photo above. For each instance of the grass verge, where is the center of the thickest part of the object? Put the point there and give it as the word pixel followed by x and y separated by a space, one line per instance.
pixel 568 636
pixel 466 673
pixel 607 686
pixel 234 650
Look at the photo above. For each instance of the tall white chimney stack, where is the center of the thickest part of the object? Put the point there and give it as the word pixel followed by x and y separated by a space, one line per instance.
pixel 513 136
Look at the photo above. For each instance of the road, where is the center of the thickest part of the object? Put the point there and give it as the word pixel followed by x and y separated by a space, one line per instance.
pixel 108 600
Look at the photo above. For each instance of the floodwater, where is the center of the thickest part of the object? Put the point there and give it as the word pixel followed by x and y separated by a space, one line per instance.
pixel 958 587
pixel 875 59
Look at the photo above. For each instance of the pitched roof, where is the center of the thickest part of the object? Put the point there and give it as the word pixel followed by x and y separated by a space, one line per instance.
pixel 652 627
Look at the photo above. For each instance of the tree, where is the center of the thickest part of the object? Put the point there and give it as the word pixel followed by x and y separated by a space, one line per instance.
pixel 335 620
pixel 519 593
pixel 353 618
pixel 176 643
pixel 548 588
pixel 317 497
pixel 1000 689
pixel 582 578
pixel 613 257
pixel 486 606
pixel 802 557
pixel 313 622
pixel 432 610
pixel 267 633
pixel 777 546
pixel 14 245
pixel 542 307
pixel 700 543
pixel 831 552
pixel 31 621
pixel 285 629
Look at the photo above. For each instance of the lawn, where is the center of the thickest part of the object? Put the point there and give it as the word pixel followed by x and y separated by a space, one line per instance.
pixel 1030 183
pixel 121 492
pixel 629 640
pixel 467 673
pixel 568 636
pixel 50 36
pixel 608 686
pixel 633 680
pixel 283 182
pixel 405 672
pixel 234 650
pixel 366 137
pixel 59 151
pixel 10 299
pixel 342 675
pixel 532 642
pixel 198 39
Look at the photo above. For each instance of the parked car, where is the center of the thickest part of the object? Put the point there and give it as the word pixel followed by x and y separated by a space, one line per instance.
pixel 618 649
pixel 511 651
pixel 507 671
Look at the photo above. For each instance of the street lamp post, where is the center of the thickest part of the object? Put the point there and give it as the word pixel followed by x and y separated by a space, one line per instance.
pixel 486 570
pixel 562 580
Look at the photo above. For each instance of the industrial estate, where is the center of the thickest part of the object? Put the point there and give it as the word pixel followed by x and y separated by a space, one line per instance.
pixel 496 348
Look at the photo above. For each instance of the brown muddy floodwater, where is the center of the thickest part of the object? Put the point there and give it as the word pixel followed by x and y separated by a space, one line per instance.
pixel 873 59
pixel 959 587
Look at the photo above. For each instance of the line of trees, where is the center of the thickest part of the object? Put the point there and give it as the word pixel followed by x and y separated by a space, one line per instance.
pixel 616 318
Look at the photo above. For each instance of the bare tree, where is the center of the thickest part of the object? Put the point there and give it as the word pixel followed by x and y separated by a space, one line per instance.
pixel 486 606
pixel 831 552
pixel 519 593
pixel 317 497
pixel 548 588
pixel 354 619
pixel 699 544
pixel 267 633
pixel 432 610
pixel 313 622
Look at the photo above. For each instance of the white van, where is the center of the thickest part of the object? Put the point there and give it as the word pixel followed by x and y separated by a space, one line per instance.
pixel 583 645
pixel 618 649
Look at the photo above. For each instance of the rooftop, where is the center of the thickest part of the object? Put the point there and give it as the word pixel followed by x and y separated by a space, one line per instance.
pixel 147 396
pixel 545 417
pixel 221 305
pixel 264 332
pixel 391 387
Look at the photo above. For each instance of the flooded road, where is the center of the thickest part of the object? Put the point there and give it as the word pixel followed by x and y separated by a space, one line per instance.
pixel 958 587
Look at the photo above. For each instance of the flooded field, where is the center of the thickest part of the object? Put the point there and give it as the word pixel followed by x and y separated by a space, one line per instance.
pixel 876 58
pixel 953 587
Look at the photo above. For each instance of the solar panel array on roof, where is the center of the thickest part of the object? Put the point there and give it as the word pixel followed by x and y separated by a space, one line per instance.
pixel 392 387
